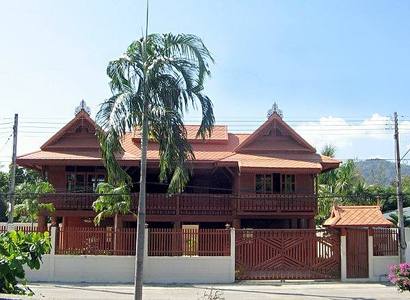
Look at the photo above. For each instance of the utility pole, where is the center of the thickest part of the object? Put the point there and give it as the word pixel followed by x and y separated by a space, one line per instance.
pixel 12 179
pixel 400 223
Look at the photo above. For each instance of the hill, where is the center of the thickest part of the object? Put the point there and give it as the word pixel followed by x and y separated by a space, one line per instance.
pixel 380 171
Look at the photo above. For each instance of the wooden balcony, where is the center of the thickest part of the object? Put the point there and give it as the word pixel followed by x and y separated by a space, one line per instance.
pixel 199 204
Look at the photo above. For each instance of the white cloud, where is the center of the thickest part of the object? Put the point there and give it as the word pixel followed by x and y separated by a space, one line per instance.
pixel 343 133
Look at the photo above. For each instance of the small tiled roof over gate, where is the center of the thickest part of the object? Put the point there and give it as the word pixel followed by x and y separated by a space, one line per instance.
pixel 357 216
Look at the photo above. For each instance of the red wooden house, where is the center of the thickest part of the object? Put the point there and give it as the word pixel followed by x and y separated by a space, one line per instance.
pixel 266 179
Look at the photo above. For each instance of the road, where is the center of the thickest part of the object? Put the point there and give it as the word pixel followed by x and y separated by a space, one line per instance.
pixel 241 290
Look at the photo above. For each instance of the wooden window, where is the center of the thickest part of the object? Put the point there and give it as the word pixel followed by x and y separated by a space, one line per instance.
pixel 267 183
pixel 288 183
pixel 263 183
pixel 83 180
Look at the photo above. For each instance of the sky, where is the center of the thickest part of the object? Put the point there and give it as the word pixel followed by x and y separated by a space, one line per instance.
pixel 337 69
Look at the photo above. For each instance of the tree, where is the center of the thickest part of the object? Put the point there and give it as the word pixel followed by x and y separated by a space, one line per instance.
pixel 111 202
pixel 157 79
pixel 346 178
pixel 394 219
pixel 29 195
pixel 4 180
pixel 23 175
pixel 328 150
pixel 19 252
pixel 344 185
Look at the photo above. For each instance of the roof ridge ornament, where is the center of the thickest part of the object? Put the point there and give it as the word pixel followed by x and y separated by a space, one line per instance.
pixel 275 110
pixel 83 106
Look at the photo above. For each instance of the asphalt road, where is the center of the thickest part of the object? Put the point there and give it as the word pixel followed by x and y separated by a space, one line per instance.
pixel 241 290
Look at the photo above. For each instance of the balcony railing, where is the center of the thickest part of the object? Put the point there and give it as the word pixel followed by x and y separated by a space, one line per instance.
pixel 198 204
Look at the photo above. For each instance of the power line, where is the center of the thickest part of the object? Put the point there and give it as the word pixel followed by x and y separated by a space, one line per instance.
pixel 4 145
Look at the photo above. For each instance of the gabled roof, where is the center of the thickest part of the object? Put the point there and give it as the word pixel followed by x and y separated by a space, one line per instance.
pixel 285 150
pixel 357 216
pixel 276 119
pixel 81 118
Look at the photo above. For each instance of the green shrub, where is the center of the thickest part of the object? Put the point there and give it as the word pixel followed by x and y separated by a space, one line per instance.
pixel 18 249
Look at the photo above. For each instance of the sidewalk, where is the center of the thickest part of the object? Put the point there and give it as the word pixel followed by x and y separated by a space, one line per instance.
pixel 241 290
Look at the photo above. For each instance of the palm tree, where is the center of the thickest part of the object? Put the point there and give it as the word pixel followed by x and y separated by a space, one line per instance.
pixel 157 79
pixel 346 177
pixel 328 178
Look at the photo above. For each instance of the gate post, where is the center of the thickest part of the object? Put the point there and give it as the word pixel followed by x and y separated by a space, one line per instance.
pixel 233 266
pixel 343 255
pixel 370 252
pixel 51 256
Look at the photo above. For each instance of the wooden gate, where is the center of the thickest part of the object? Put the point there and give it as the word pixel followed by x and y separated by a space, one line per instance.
pixel 287 254
pixel 357 260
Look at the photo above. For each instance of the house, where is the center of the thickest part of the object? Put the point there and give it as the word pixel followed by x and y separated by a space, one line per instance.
pixel 266 179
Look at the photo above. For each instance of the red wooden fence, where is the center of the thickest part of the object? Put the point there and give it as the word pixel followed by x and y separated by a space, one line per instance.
pixel 24 228
pixel 161 241
pixel 96 241
pixel 385 242
pixel 188 242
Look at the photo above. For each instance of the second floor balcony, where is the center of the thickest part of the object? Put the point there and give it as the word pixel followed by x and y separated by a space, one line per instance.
pixel 200 204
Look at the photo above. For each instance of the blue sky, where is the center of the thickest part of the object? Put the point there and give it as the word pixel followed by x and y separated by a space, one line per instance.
pixel 341 62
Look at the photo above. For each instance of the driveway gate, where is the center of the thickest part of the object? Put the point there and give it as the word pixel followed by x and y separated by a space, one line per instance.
pixel 287 254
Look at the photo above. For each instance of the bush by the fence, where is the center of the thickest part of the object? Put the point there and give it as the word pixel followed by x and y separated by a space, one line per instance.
pixel 18 249
pixel 400 276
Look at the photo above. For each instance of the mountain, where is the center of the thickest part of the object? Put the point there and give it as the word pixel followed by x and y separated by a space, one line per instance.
pixel 380 171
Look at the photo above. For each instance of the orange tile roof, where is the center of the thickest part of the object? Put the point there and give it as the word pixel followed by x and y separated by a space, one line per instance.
pixel 219 134
pixel 202 151
pixel 276 161
pixel 348 216
pixel 69 155
pixel 219 149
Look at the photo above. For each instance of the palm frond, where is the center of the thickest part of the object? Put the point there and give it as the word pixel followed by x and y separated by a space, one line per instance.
pixel 165 73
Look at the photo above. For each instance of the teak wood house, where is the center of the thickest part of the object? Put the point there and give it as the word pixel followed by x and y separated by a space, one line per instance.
pixel 266 179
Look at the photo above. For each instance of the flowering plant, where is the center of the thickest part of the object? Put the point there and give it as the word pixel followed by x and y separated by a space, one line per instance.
pixel 400 276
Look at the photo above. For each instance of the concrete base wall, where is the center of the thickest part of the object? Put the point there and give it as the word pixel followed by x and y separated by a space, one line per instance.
pixel 212 269
pixel 120 269
pixel 84 268
pixel 381 265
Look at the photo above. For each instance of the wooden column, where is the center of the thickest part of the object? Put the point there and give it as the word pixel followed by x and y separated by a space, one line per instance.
pixel 54 221
pixel 311 223
pixel 236 223
pixel 177 225
pixel 41 223
pixel 236 199
pixel 294 223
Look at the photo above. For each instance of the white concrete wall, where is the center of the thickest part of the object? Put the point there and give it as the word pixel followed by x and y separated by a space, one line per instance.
pixel 381 265
pixel 200 269
pixel 120 269
pixel 408 244
pixel 84 268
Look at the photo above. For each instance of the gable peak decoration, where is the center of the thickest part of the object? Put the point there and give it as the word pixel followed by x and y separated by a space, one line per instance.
pixel 82 107
pixel 274 110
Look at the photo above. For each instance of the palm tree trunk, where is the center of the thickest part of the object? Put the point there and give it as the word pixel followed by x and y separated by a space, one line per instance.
pixel 139 262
